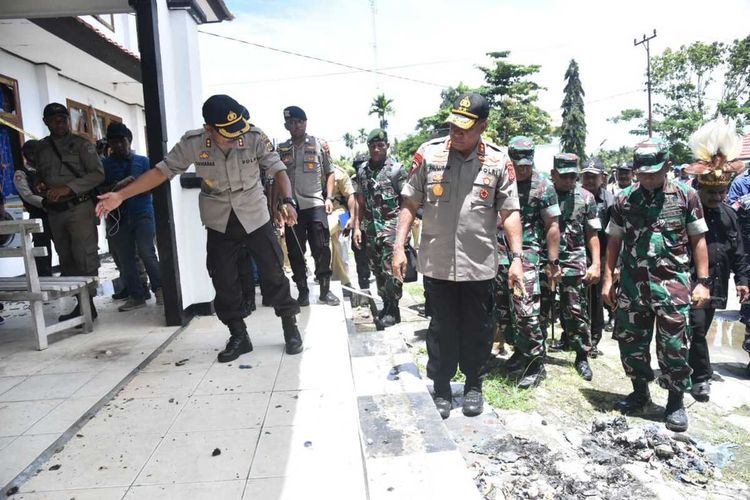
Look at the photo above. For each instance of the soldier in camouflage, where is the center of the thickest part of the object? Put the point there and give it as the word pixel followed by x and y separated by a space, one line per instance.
pixel 578 231
pixel 539 218
pixel 742 208
pixel 377 186
pixel 653 226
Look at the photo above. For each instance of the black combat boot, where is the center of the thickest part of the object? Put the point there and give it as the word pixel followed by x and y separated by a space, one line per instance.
pixel 535 373
pixel 238 344
pixel 515 362
pixel 292 338
pixel 389 316
pixel 443 398
pixel 326 296
pixel 561 345
pixel 637 400
pixel 675 416
pixel 473 402
pixel 303 299
pixel 582 366
pixel 345 290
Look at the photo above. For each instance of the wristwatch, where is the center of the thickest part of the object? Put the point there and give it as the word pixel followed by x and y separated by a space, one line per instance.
pixel 704 281
pixel 516 255
pixel 290 201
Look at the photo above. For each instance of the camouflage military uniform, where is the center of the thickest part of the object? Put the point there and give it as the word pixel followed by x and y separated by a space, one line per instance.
pixel 578 214
pixel 380 186
pixel 742 207
pixel 538 200
pixel 655 279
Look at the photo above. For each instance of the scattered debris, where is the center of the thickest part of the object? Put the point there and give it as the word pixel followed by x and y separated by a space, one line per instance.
pixel 216 452
pixel 171 400
pixel 308 444
pixel 245 367
pixel 181 362
pixel 55 467
pixel 12 491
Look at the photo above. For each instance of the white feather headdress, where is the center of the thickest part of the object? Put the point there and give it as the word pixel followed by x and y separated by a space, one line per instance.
pixel 715 146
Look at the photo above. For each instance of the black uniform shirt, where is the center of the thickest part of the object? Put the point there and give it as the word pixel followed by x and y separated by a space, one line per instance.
pixel 725 253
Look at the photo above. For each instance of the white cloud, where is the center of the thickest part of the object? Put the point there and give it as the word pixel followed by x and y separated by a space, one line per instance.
pixel 452 36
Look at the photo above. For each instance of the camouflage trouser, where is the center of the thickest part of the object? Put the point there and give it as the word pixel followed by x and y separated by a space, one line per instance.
pixel 634 329
pixel 380 255
pixel 547 301
pixel 519 324
pixel 574 312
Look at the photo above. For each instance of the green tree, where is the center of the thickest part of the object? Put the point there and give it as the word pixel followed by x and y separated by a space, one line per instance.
pixel 381 106
pixel 349 140
pixel 613 158
pixel 573 130
pixel 627 116
pixel 513 96
pixel 683 83
pixel 361 136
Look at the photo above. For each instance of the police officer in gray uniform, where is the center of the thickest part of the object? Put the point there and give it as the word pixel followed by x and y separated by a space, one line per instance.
pixel 461 182
pixel 308 163
pixel 229 154
pixel 68 172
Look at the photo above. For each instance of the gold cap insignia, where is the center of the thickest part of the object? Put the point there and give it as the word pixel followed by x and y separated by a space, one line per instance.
pixel 465 104
pixel 231 116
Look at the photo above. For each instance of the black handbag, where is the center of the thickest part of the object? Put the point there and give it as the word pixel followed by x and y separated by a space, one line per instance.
pixel 411 264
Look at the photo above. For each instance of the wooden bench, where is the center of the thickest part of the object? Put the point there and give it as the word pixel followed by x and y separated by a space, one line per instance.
pixel 36 290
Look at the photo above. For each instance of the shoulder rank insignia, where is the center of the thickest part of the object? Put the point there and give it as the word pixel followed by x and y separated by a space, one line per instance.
pixel 241 142
pixel 203 155
pixel 483 193
pixel 208 142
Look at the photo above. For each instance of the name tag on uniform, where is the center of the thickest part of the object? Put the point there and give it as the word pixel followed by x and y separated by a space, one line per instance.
pixel 204 164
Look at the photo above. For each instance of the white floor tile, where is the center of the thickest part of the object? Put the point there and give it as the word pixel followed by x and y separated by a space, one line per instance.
pixel 16 456
pixel 183 360
pixel 314 370
pixel 288 408
pixel 47 386
pixel 95 462
pixel 309 449
pixel 17 417
pixel 350 487
pixel 135 416
pixel 176 385
pixel 217 412
pixel 224 378
pixel 224 490
pixel 189 457
pixel 88 494
pixel 7 383
pixel 63 416
pixel 102 383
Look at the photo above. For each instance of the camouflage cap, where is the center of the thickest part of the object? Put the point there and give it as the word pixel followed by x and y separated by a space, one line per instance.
pixel 566 163
pixel 650 156
pixel 377 134
pixel 521 150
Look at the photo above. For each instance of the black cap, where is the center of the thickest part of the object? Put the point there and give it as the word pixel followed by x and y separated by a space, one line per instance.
pixel 54 108
pixel 116 129
pixel 294 112
pixel 229 117
pixel 625 166
pixel 467 109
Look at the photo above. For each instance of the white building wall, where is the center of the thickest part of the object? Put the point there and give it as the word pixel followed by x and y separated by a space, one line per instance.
pixel 182 95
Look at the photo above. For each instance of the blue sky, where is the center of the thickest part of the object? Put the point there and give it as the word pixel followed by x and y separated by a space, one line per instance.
pixel 442 42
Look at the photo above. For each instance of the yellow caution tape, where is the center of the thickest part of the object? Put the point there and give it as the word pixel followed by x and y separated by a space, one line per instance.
pixel 18 129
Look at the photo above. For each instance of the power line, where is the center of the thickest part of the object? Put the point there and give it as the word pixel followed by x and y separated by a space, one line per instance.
pixel 320 59
pixel 336 73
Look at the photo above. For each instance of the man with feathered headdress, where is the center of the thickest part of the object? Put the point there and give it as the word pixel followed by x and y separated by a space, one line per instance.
pixel 714 145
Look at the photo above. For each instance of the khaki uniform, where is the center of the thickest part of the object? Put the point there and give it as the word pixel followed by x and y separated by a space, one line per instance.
pixel 235 212
pixel 342 190
pixel 73 226
pixel 458 256
pixel 308 166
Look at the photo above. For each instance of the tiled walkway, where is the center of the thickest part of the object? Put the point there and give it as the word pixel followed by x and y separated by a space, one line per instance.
pixel 268 425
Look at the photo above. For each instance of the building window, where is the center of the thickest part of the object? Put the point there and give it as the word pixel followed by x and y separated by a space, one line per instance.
pixel 88 121
pixel 107 20
pixel 10 109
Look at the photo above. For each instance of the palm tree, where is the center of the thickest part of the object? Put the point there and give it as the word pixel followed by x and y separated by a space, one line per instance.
pixel 381 106
pixel 362 137
pixel 349 140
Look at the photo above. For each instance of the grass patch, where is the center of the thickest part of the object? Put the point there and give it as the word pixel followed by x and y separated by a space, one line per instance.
pixel 502 393
pixel 743 411
pixel 415 289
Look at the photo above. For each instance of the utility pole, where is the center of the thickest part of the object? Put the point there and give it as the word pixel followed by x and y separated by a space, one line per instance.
pixel 374 14
pixel 645 43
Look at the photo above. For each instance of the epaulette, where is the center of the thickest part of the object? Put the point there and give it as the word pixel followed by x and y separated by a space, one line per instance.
pixel 284 146
pixel 192 133
pixel 436 140
pixel 494 147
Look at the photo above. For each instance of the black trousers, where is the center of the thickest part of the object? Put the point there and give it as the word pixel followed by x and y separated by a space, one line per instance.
pixel 226 262
pixel 460 333
pixel 698 357
pixel 363 265
pixel 312 227
pixel 43 239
